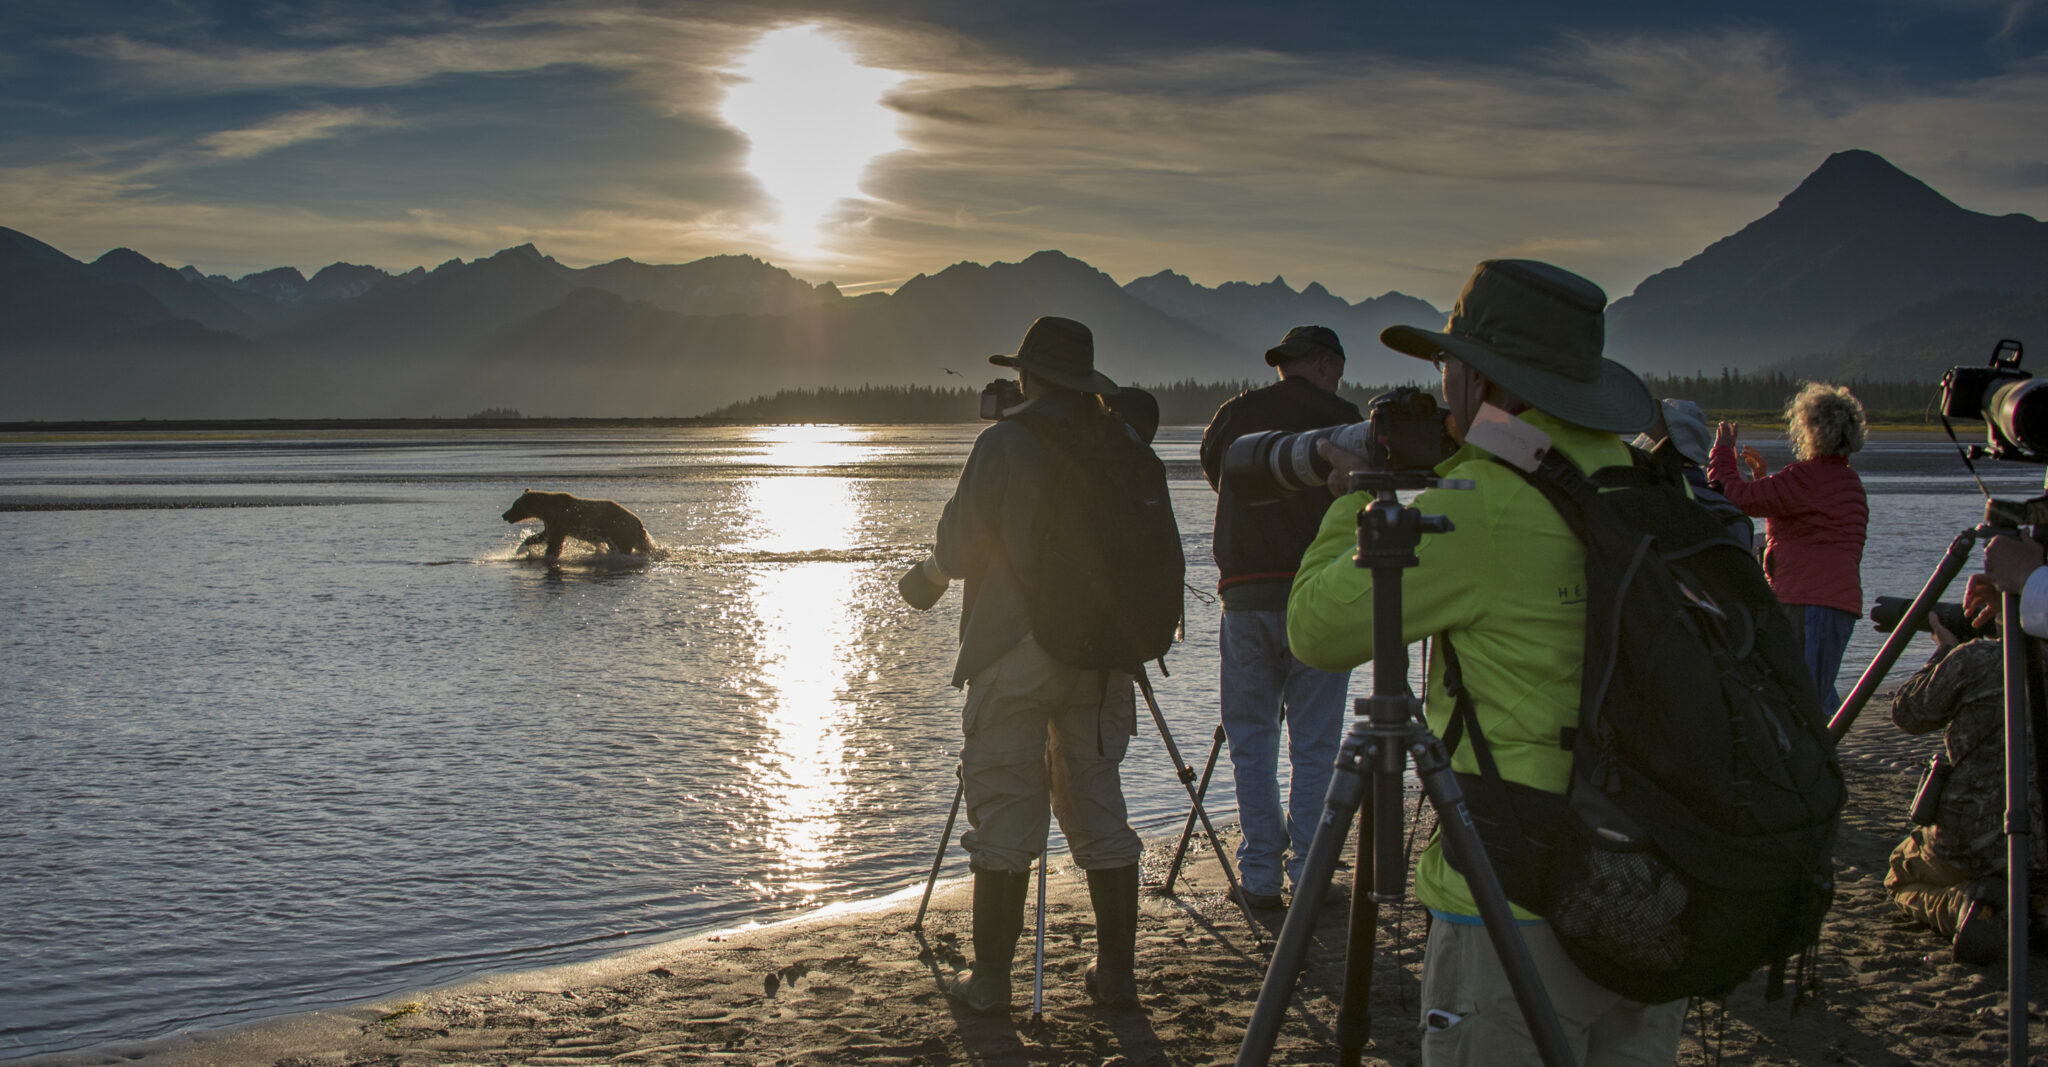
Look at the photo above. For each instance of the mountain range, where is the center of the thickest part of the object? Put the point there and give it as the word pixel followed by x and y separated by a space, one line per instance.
pixel 1861 270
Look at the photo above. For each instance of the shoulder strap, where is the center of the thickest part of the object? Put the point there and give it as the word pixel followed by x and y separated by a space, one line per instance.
pixel 1463 719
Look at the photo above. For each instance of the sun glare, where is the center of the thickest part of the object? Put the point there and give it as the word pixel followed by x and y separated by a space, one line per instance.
pixel 814 118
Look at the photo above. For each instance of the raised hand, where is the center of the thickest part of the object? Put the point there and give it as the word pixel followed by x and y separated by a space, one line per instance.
pixel 1754 460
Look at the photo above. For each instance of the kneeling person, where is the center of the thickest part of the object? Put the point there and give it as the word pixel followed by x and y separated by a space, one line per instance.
pixel 1950 872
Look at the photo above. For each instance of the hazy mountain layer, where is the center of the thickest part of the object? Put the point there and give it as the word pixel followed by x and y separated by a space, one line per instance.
pixel 1860 271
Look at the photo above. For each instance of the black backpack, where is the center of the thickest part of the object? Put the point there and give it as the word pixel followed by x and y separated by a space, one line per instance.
pixel 1105 583
pixel 1695 842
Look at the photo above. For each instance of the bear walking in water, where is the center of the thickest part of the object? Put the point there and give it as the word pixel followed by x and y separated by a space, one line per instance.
pixel 599 522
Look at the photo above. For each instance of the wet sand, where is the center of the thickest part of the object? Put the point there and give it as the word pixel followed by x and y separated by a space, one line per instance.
pixel 861 987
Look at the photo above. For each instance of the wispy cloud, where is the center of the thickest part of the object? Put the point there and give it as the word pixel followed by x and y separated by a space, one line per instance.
pixel 1619 154
pixel 298 127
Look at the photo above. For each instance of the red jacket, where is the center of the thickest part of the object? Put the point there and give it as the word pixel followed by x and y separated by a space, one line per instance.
pixel 1816 516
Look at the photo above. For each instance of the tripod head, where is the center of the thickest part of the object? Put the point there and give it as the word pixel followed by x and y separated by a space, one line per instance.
pixel 1388 533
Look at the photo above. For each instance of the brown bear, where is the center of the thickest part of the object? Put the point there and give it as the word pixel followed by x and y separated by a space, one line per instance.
pixel 599 522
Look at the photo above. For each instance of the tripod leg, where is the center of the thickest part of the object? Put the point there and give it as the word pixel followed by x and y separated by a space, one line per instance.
pixel 1038 968
pixel 1433 766
pixel 1354 1017
pixel 1341 803
pixel 1944 572
pixel 1187 832
pixel 2019 686
pixel 939 860
pixel 1187 778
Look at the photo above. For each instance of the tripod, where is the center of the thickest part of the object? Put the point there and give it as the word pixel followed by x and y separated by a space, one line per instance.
pixel 2024 693
pixel 1182 771
pixel 1385 733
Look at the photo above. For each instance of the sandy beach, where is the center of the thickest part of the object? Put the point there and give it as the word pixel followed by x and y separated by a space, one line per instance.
pixel 861 987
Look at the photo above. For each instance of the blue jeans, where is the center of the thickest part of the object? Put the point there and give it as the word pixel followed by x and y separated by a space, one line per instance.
pixel 1263 684
pixel 1827 635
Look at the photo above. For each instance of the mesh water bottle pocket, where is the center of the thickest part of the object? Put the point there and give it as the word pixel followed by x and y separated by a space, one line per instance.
pixel 1622 906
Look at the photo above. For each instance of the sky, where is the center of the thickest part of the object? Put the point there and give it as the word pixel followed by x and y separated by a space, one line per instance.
pixel 1369 146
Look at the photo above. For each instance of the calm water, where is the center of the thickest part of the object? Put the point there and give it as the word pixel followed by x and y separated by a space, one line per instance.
pixel 335 741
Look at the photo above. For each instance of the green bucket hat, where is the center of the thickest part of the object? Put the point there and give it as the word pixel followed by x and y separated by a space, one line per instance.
pixel 1062 352
pixel 1538 331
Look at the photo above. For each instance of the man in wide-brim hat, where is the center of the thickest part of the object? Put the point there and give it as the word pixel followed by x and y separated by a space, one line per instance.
pixel 1507 588
pixel 1042 737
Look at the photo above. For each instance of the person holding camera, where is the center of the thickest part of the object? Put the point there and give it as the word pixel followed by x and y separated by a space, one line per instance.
pixel 1258 547
pixel 1521 356
pixel 1949 872
pixel 1040 733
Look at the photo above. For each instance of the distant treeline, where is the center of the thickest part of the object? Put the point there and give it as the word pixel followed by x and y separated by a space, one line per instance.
pixel 1180 403
pixel 1191 403
pixel 1770 390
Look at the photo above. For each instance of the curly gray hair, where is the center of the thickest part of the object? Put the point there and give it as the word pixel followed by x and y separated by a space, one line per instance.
pixel 1824 420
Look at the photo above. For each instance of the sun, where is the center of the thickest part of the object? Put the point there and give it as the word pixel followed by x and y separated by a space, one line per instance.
pixel 813 118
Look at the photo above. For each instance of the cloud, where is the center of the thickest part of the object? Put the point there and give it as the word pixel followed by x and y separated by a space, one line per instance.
pixel 1619 154
pixel 298 127
pixel 1626 154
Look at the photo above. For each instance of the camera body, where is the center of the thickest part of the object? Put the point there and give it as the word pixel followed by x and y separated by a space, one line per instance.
pixel 1889 611
pixel 2011 402
pixel 999 396
pixel 1404 430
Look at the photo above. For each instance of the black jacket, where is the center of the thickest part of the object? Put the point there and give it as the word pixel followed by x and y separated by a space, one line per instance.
pixel 1258 548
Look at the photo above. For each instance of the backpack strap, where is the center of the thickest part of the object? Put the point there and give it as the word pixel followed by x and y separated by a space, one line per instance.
pixel 1515 822
pixel 1464 718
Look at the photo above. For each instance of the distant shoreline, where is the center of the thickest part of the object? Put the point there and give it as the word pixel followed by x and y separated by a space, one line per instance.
pixel 1879 420
pixel 234 425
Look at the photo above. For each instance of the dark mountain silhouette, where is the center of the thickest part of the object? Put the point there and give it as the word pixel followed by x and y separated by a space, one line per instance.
pixel 80 341
pixel 203 301
pixel 281 285
pixel 1920 343
pixel 1860 271
pixel 1858 240
pixel 49 299
pixel 1255 317
pixel 960 316
pixel 596 351
pixel 716 285
pixel 346 281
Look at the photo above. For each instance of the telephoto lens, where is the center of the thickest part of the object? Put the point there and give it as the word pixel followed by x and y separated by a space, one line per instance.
pixel 922 585
pixel 1268 466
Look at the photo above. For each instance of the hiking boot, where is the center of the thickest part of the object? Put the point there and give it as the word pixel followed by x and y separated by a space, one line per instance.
pixel 1979 938
pixel 998 920
pixel 1112 979
pixel 1255 901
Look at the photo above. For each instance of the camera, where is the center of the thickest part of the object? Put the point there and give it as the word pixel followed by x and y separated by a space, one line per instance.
pixel 1404 430
pixel 999 396
pixel 2010 401
pixel 1886 614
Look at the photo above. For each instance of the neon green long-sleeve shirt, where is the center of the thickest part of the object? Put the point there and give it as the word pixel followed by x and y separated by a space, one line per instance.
pixel 1507 584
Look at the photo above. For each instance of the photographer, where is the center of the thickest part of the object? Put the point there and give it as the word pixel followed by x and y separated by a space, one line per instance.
pixel 1949 872
pixel 1507 589
pixel 1038 731
pixel 1258 548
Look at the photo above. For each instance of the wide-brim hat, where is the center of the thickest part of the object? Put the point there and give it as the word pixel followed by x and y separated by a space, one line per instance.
pixel 1538 330
pixel 1062 352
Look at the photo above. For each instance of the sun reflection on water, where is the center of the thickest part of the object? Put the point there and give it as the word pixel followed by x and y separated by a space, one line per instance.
pixel 807 647
pixel 802 447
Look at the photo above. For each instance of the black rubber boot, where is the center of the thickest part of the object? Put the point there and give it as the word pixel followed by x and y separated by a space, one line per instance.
pixel 998 919
pixel 1112 979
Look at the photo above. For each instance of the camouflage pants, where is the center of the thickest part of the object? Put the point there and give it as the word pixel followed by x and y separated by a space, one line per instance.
pixel 1926 887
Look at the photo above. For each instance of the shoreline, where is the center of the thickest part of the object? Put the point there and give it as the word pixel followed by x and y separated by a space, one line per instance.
pixel 851 984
